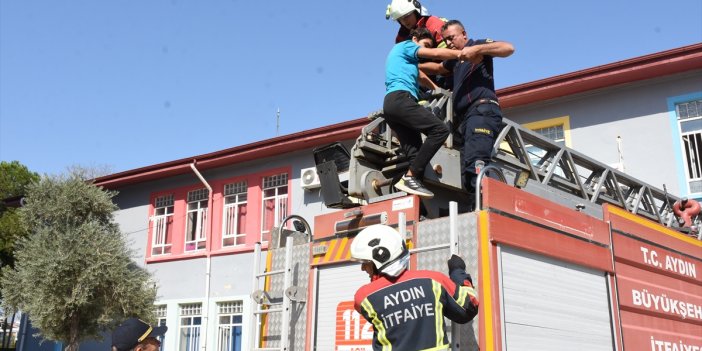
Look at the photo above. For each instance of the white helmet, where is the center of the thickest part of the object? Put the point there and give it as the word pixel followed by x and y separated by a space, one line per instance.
pixel 399 8
pixel 383 246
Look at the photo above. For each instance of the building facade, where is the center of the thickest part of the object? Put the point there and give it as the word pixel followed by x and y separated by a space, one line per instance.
pixel 194 222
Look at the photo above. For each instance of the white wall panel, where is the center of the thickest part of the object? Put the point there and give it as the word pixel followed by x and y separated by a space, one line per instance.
pixel 553 305
pixel 336 284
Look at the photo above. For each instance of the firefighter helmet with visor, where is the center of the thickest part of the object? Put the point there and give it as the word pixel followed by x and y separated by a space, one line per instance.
pixel 383 246
pixel 400 8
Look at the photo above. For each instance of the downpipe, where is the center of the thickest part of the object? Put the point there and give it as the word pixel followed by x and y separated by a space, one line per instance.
pixel 208 259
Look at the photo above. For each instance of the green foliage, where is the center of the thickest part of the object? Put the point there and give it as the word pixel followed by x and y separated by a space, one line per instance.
pixel 14 178
pixel 73 274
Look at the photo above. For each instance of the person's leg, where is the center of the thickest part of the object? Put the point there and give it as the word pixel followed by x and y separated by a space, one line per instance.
pixel 400 108
pixel 394 106
pixel 420 119
pixel 480 131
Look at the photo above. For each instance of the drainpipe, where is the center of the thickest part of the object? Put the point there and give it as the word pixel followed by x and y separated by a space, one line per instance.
pixel 208 269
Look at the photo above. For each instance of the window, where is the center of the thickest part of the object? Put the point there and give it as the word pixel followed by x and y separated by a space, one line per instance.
pixel 229 329
pixel 196 233
pixel 162 223
pixel 689 115
pixel 190 322
pixel 234 217
pixel 554 133
pixel 555 129
pixel 160 313
pixel 274 202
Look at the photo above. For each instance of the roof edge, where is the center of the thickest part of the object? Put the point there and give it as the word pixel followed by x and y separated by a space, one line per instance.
pixel 655 65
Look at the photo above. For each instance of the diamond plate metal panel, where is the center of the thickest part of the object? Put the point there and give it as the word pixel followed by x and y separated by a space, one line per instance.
pixel 298 315
pixel 436 232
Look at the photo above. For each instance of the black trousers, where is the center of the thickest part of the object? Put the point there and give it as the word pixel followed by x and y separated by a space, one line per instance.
pixel 478 131
pixel 408 119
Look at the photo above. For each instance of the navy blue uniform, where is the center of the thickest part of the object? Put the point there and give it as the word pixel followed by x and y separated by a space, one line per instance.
pixel 476 108
pixel 407 313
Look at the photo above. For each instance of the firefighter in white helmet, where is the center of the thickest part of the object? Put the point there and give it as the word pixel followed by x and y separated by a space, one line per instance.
pixel 406 307
pixel 411 15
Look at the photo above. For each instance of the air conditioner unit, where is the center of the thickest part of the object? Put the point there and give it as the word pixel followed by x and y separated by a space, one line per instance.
pixel 309 178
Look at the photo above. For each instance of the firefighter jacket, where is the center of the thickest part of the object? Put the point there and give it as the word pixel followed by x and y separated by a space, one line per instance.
pixel 407 313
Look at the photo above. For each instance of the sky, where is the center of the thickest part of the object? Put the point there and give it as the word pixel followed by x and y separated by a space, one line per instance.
pixel 119 85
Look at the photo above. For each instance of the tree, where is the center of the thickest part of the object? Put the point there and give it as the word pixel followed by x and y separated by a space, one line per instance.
pixel 73 273
pixel 14 178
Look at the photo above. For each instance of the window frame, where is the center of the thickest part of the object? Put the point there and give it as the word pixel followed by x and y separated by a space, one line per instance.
pixel 277 215
pixel 677 140
pixel 161 314
pixel 553 122
pixel 160 223
pixel 238 311
pixel 237 207
pixel 201 214
pixel 182 327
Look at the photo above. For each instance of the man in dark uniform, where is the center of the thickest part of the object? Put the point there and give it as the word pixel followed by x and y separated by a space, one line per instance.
pixel 476 108
pixel 407 307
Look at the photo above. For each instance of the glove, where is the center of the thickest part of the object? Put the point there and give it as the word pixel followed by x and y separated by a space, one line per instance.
pixel 456 262
pixel 457 271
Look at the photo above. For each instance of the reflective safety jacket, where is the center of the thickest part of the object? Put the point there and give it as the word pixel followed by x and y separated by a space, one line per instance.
pixel 407 313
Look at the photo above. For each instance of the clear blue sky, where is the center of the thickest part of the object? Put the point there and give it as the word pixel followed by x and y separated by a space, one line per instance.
pixel 132 83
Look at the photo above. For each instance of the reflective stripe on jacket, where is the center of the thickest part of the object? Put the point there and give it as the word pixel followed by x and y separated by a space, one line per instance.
pixel 408 313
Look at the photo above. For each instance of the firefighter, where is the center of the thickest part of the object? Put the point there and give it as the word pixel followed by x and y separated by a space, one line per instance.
pixel 475 102
pixel 410 14
pixel 407 307
pixel 403 113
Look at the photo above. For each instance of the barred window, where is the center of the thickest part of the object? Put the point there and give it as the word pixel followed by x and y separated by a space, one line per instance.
pixel 234 217
pixel 160 312
pixel 275 181
pixel 161 224
pixel 690 109
pixel 196 231
pixel 689 116
pixel 274 203
pixel 189 328
pixel 229 328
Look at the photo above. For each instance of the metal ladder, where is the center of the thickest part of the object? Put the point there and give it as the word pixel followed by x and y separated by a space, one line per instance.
pixel 264 305
pixel 452 245
pixel 544 161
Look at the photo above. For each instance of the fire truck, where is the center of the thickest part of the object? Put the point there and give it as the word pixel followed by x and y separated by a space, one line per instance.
pixel 566 252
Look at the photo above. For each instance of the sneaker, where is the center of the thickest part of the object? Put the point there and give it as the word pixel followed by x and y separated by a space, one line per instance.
pixel 413 186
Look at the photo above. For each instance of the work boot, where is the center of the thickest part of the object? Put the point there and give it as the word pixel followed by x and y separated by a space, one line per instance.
pixel 412 185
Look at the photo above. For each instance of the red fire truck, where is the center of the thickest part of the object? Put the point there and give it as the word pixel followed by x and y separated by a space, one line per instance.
pixel 569 254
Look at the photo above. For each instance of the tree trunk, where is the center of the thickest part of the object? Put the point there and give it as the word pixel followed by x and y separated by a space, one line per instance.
pixel 12 324
pixel 73 331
